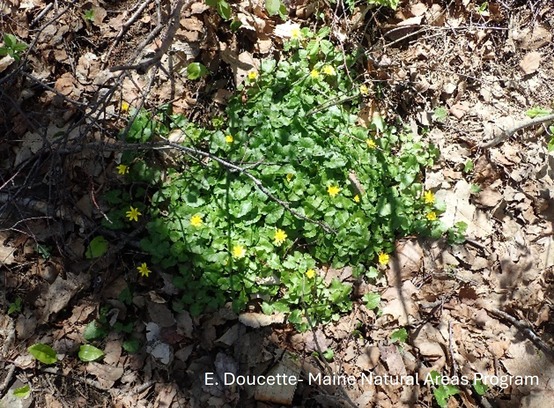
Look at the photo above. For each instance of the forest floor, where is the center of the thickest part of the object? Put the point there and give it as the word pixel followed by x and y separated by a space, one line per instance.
pixel 461 73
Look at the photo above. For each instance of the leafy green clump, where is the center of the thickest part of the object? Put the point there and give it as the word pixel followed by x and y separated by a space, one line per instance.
pixel 292 182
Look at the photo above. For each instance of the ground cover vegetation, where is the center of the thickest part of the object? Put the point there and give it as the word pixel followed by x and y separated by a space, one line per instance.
pixel 286 182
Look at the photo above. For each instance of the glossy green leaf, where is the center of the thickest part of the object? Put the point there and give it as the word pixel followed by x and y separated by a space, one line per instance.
pixel 97 247
pixel 22 392
pixel 43 353
pixel 88 353
pixel 94 331
pixel 196 70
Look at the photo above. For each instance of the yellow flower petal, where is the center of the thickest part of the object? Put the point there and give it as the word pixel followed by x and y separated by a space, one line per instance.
pixel 356 198
pixel 329 70
pixel 133 214
pixel 429 197
pixel 143 270
pixel 314 73
pixel 432 216
pixel 310 273
pixel 196 220
pixel 279 237
pixel 252 75
pixel 229 139
pixel 333 191
pixel 364 90
pixel 383 258
pixel 371 143
pixel 122 169
pixel 238 251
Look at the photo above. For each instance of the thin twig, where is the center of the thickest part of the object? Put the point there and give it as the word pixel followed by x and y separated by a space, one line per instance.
pixel 509 132
pixel 173 26
pixel 525 329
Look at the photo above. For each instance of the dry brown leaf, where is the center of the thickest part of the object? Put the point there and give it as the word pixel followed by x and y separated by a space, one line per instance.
pixel 106 375
pixel 257 320
pixel 530 63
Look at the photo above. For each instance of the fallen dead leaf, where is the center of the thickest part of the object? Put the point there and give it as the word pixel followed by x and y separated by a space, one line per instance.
pixel 530 63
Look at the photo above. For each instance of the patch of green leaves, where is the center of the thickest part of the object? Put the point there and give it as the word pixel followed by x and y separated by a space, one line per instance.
pixel 399 336
pixel 372 300
pixel 43 353
pixel 440 114
pixel 12 47
pixel 442 392
pixel 275 7
pixel 15 306
pixel 223 8
pixel 89 15
pixel 294 127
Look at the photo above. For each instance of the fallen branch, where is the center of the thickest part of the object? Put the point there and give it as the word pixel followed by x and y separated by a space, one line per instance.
pixel 509 132
pixel 525 329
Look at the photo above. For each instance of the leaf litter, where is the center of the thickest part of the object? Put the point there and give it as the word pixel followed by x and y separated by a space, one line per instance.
pixel 442 294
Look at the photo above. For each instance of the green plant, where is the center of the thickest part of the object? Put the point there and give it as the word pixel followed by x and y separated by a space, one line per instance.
pixel 22 392
pixel 43 353
pixel 393 4
pixel 223 8
pixel 399 336
pixel 196 70
pixel 12 47
pixel 442 392
pixel 89 353
pixel 15 306
pixel 480 387
pixel 275 7
pixel 89 15
pixel 44 251
pixel 290 183
pixel 97 247
pixel 440 114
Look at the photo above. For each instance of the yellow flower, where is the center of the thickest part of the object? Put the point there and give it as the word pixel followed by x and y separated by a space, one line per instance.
pixel 333 191
pixel 133 214
pixel 310 273
pixel 196 220
pixel 329 70
pixel 371 143
pixel 383 258
pixel 238 251
pixel 295 33
pixel 364 90
pixel 252 75
pixel 124 106
pixel 429 197
pixel 290 176
pixel 279 237
pixel 314 73
pixel 432 216
pixel 122 169
pixel 229 139
pixel 356 198
pixel 143 270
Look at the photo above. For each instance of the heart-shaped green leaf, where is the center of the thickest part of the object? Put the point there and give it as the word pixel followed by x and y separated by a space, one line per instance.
pixel 97 247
